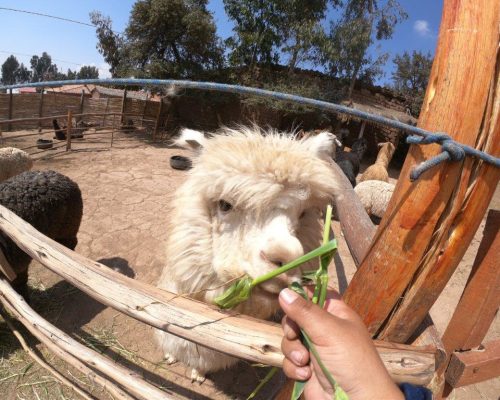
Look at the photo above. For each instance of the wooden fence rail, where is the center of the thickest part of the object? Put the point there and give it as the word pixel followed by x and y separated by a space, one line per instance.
pixel 228 332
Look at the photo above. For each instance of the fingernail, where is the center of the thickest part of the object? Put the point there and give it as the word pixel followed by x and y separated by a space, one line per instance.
pixel 302 373
pixel 296 356
pixel 288 296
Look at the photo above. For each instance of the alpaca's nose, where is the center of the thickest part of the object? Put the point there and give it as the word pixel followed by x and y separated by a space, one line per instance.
pixel 283 251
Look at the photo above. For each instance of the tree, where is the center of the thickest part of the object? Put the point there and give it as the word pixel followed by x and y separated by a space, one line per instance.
pixel 43 69
pixel 9 70
pixel 88 72
pixel 411 77
pixel 71 75
pixel 362 23
pixel 164 38
pixel 23 74
pixel 303 30
pixel 109 43
pixel 257 31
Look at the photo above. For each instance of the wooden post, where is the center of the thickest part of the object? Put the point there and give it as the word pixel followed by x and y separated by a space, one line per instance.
pixel 68 130
pixel 40 110
pixel 481 297
pixel 480 300
pixel 124 103
pixel 474 366
pixel 144 109
pixel 362 130
pixel 9 127
pixel 414 230
pixel 82 98
pixel 105 112
pixel 158 117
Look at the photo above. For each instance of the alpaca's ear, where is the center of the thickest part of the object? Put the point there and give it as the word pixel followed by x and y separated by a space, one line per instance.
pixel 323 145
pixel 191 139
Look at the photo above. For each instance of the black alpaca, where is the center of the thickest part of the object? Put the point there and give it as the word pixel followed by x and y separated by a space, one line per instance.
pixel 60 133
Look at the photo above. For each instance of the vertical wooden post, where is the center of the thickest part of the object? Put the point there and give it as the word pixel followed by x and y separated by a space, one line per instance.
pixel 68 130
pixel 40 110
pixel 480 299
pixel 113 129
pixel 362 130
pixel 124 103
pixel 144 109
pixel 9 127
pixel 158 117
pixel 82 98
pixel 105 113
pixel 420 216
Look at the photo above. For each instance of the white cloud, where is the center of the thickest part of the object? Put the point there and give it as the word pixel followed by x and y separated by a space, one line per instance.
pixel 422 28
pixel 104 71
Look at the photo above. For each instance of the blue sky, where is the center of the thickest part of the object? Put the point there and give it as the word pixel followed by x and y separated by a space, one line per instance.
pixel 72 45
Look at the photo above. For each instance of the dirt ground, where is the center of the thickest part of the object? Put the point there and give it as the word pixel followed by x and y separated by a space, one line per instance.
pixel 126 191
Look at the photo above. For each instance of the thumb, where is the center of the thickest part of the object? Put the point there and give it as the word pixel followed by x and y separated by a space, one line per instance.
pixel 306 314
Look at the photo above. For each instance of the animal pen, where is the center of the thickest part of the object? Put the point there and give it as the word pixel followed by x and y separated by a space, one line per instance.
pixel 403 265
pixel 96 120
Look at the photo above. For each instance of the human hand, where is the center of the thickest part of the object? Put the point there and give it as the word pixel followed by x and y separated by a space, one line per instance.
pixel 344 346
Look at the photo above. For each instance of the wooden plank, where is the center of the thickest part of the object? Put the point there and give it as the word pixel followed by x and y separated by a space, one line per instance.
pixel 157 123
pixel 474 366
pixel 241 336
pixel 459 90
pixel 124 103
pixel 68 130
pixel 40 110
pixel 9 127
pixel 481 298
pixel 58 340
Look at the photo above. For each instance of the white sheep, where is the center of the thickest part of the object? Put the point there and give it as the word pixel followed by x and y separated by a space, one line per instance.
pixel 375 196
pixel 378 171
pixel 250 203
pixel 13 161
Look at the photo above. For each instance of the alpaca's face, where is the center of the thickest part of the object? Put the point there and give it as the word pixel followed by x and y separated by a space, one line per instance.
pixel 254 242
pixel 251 203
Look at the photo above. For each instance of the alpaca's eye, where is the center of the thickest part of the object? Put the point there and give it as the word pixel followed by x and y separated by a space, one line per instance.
pixel 302 215
pixel 224 206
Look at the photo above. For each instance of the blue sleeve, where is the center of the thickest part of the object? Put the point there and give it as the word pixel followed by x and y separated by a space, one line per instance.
pixel 415 392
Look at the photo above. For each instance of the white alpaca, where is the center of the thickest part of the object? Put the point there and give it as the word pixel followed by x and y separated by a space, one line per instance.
pixel 375 196
pixel 251 203
pixel 13 161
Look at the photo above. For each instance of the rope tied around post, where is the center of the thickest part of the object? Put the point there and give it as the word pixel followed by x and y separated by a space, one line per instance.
pixel 451 150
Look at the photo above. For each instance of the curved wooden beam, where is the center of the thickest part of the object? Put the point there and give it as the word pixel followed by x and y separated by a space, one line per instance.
pixel 238 335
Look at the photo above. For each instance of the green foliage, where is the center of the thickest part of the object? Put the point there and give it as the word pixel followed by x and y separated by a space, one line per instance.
pixel 109 44
pixel 9 70
pixel 87 72
pixel 242 289
pixel 43 69
pixel 257 34
pixel 411 77
pixel 163 39
pixel 362 23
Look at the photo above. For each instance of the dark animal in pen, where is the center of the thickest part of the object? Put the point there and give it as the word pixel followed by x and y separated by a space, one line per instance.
pixel 60 134
pixel 51 203
pixel 349 161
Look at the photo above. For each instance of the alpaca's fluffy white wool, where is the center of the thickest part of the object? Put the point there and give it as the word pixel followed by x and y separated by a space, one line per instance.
pixel 13 161
pixel 251 202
